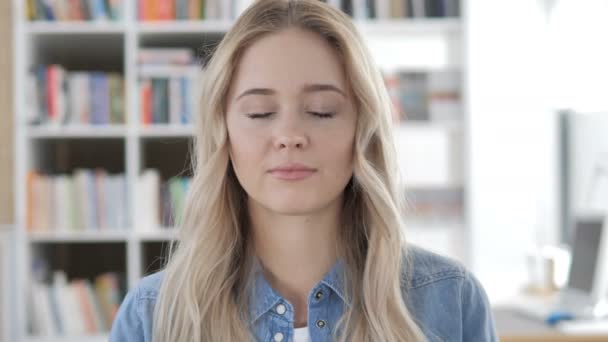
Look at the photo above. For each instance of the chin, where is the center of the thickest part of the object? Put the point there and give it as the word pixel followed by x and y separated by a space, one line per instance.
pixel 293 207
pixel 291 210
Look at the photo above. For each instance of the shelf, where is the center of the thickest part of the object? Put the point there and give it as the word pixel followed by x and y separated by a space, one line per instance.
pixel 80 131
pixel 425 125
pixel 410 26
pixel 189 27
pixel 115 235
pixel 168 70
pixel 161 131
pixel 160 234
pixel 444 186
pixel 421 224
pixel 590 215
pixel 395 26
pixel 93 27
pixel 83 338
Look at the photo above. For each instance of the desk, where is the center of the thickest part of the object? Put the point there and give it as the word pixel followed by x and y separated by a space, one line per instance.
pixel 513 327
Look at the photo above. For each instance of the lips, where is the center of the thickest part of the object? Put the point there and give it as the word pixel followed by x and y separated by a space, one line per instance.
pixel 292 172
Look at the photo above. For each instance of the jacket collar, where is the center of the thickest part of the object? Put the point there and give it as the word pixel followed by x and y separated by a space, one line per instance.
pixel 263 297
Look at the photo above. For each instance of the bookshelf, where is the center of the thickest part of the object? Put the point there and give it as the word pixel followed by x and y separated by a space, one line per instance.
pixel 6 266
pixel 132 250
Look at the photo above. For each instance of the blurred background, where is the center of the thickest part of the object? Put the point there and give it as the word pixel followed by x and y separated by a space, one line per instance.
pixel 502 133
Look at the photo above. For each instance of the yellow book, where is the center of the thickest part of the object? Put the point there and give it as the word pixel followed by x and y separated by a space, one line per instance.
pixel 31 10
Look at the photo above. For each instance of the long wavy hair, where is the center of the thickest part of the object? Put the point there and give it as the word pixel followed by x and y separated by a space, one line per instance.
pixel 208 274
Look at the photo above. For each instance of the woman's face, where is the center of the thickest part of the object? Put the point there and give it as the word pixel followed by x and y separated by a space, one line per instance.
pixel 291 123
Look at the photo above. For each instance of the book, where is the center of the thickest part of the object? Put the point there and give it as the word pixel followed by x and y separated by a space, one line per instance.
pixel 61 97
pixel 168 85
pixel 148 199
pixel 444 100
pixel 161 203
pixel 74 307
pixel 86 200
pixel 74 10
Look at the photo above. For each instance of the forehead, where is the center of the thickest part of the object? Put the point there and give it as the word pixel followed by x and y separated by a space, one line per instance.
pixel 288 59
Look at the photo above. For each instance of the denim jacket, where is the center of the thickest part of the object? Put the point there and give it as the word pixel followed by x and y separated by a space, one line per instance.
pixel 447 302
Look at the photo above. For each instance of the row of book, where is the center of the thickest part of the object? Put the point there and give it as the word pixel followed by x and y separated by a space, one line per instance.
pixel 439 205
pixel 74 10
pixel 190 9
pixel 166 10
pixel 76 307
pixel 161 204
pixel 87 200
pixel 358 9
pixel 392 9
pixel 169 80
pixel 167 100
pixel 425 96
pixel 58 97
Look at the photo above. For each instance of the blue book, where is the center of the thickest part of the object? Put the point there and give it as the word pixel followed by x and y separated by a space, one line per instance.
pixel 181 10
pixel 98 9
pixel 104 101
pixel 54 302
pixel 41 85
pixel 94 104
pixel 100 98
pixel 92 198
pixel 48 10
pixel 185 95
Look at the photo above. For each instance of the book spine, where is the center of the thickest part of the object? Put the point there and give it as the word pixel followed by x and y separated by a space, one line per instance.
pixel 104 93
pixel 47 5
pixel 174 100
pixel 185 100
pixel 146 101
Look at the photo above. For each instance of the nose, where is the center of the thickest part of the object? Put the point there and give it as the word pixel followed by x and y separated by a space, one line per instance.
pixel 291 141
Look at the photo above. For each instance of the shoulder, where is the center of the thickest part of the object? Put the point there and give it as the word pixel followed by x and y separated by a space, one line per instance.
pixel 149 285
pixel 447 300
pixel 133 321
pixel 423 267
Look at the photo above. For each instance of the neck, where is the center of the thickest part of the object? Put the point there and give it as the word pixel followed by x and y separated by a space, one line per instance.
pixel 295 251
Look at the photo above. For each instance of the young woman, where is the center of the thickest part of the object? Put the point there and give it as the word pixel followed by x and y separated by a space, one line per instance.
pixel 293 228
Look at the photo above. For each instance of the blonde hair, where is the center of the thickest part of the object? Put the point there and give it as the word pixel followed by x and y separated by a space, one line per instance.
pixel 204 292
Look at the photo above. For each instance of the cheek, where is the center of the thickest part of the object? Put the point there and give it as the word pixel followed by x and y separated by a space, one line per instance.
pixel 338 151
pixel 245 148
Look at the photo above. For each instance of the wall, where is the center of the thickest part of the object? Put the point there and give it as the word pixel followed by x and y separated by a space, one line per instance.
pixel 6 114
pixel 513 146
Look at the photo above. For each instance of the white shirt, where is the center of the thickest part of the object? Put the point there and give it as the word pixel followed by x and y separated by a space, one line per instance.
pixel 301 335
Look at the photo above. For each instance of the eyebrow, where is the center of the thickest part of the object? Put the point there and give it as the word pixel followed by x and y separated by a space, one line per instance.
pixel 309 88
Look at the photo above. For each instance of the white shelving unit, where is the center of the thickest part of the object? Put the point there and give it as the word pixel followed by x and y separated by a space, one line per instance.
pixel 6 265
pixel 431 44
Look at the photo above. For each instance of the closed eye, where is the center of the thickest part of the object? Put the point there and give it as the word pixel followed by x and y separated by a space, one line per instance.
pixel 259 115
pixel 325 115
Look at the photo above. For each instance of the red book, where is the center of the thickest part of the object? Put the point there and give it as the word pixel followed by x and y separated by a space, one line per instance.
pixel 74 10
pixel 166 9
pixel 142 10
pixel 146 102
pixel 31 179
pixel 86 306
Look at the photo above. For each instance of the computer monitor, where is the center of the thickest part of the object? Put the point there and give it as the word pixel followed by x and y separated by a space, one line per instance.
pixel 589 264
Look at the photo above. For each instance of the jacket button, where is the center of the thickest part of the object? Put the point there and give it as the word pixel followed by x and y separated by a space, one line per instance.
pixel 319 295
pixel 278 337
pixel 281 309
pixel 321 324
